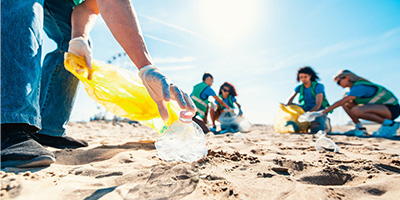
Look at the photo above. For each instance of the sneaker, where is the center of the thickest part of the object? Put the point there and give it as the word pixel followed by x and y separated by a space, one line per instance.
pixel 387 131
pixel 18 149
pixel 213 129
pixel 59 142
pixel 359 132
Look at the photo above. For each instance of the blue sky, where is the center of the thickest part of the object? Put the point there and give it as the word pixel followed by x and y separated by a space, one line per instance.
pixel 259 45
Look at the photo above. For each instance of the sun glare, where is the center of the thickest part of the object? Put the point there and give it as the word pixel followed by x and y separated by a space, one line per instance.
pixel 228 21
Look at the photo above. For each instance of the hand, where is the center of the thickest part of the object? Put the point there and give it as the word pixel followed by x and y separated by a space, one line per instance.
pixel 80 47
pixel 161 89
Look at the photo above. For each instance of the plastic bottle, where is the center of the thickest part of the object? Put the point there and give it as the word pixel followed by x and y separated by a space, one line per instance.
pixel 325 143
pixel 183 141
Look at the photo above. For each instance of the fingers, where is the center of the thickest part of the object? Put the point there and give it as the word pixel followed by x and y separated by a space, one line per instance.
pixel 165 86
pixel 177 95
pixel 189 103
pixel 162 109
pixel 88 60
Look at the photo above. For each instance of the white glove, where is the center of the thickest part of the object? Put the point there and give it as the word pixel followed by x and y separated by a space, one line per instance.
pixel 80 47
pixel 161 89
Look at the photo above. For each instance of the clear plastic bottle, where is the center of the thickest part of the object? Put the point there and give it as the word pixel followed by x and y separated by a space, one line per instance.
pixel 324 142
pixel 183 141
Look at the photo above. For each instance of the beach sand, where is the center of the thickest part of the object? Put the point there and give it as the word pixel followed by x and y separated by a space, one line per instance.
pixel 121 163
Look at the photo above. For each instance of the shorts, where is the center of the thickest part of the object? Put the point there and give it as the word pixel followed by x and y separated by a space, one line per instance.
pixel 394 110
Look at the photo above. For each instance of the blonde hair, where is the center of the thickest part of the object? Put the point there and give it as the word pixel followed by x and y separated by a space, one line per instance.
pixel 353 77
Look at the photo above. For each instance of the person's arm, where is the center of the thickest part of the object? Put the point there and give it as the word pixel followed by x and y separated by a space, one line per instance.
pixel 318 102
pixel 83 18
pixel 123 23
pixel 290 100
pixel 238 104
pixel 221 102
pixel 338 103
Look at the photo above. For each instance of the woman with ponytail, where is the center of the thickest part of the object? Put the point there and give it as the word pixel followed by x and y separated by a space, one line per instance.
pixel 369 101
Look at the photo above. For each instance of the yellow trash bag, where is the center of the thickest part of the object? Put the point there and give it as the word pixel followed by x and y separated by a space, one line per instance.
pixel 121 92
pixel 286 120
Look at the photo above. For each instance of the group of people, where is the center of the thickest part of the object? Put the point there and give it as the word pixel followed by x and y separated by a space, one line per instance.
pixel 224 102
pixel 363 100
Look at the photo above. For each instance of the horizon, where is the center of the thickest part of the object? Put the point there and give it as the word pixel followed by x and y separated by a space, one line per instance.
pixel 258 46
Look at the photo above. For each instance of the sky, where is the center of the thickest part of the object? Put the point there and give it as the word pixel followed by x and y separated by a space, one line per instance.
pixel 258 46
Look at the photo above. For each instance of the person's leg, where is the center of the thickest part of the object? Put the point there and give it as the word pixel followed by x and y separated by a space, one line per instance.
pixel 21 40
pixel 347 108
pixel 201 123
pixel 58 86
pixel 372 112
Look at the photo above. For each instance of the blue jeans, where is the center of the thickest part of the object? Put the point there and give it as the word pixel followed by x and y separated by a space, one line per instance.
pixel 41 96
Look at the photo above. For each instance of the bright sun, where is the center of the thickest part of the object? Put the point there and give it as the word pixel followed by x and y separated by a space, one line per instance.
pixel 228 21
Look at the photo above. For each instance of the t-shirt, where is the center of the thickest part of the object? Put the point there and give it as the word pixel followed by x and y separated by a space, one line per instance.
pixel 227 101
pixel 207 92
pixel 362 91
pixel 309 99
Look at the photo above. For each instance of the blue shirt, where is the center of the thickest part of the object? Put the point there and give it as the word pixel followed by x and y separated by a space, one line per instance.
pixel 362 91
pixel 227 101
pixel 309 99
pixel 207 92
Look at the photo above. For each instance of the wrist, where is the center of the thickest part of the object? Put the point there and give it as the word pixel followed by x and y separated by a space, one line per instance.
pixel 145 69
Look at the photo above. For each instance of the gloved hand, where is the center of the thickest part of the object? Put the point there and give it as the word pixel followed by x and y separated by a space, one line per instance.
pixel 161 89
pixel 80 47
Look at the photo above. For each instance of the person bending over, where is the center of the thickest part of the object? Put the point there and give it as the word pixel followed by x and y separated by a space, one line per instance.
pixel 369 101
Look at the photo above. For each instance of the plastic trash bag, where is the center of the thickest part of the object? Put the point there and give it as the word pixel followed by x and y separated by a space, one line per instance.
pixel 121 92
pixel 234 122
pixel 310 116
pixel 286 120
pixel 325 143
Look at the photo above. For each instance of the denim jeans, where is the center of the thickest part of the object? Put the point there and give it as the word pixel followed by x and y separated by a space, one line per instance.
pixel 41 96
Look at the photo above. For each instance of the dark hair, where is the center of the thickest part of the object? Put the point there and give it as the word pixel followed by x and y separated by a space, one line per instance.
pixel 232 89
pixel 307 70
pixel 206 75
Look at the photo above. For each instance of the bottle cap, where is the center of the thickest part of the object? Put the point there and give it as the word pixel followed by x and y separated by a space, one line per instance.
pixel 186 115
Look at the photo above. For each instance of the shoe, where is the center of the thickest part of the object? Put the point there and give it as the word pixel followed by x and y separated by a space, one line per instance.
pixel 59 142
pixel 387 131
pixel 359 132
pixel 213 129
pixel 18 149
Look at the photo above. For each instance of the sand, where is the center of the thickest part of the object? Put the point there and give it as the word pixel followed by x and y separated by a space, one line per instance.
pixel 121 163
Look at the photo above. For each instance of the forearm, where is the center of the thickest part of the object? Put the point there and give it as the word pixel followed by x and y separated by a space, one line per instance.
pixel 318 103
pixel 239 106
pixel 83 18
pixel 290 100
pixel 338 103
pixel 121 19
pixel 219 100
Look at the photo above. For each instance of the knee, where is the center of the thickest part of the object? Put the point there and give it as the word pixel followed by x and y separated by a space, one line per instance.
pixel 356 111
